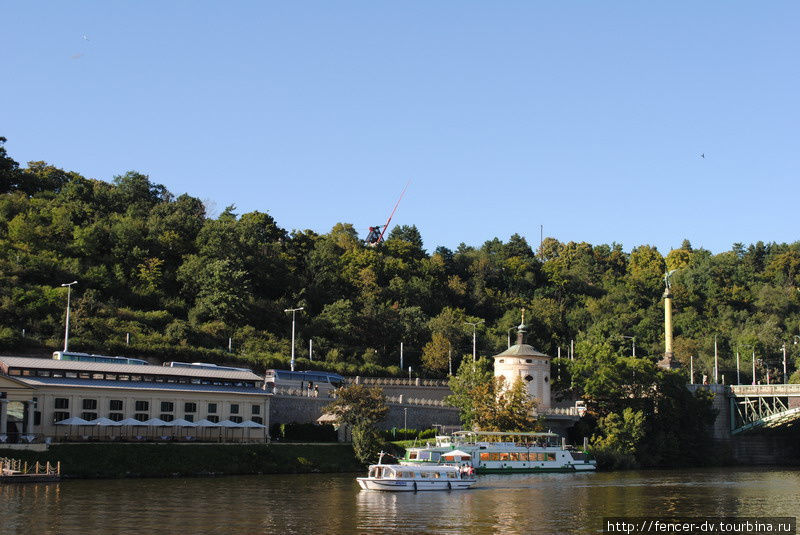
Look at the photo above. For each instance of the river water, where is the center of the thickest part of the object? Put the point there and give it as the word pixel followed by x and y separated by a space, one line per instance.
pixel 333 503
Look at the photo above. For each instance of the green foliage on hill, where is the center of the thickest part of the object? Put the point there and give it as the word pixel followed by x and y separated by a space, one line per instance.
pixel 182 283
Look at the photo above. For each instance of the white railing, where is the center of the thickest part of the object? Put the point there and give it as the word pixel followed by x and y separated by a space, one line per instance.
pixel 395 381
pixel 559 411
pixel 765 390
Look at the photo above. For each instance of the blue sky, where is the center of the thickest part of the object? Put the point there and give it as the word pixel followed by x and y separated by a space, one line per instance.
pixel 586 117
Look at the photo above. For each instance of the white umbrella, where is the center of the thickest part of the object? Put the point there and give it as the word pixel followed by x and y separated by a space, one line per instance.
pixel 155 422
pixel 182 422
pixel 128 422
pixel 227 424
pixel 206 423
pixel 103 422
pixel 131 421
pixel 250 424
pixel 72 421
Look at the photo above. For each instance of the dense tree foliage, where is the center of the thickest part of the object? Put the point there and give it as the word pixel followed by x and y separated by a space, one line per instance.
pixel 155 266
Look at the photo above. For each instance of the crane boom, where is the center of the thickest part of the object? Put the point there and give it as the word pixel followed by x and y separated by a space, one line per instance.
pixel 380 239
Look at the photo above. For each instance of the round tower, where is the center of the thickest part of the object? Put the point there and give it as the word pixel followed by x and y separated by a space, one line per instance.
pixel 530 366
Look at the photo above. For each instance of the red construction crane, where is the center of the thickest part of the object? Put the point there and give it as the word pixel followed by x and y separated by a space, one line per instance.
pixel 376 233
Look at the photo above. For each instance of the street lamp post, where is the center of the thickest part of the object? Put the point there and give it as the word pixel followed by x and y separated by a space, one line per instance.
pixel 474 330
pixel 633 340
pixel 66 331
pixel 293 310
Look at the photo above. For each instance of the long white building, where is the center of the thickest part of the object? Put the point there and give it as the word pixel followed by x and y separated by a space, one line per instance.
pixel 35 393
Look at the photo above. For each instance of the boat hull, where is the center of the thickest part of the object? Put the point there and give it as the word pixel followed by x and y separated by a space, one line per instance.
pixel 393 485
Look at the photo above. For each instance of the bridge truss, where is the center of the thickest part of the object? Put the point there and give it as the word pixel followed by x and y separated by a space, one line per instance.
pixel 763 407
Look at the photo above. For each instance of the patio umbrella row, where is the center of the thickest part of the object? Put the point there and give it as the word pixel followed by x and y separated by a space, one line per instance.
pixel 159 423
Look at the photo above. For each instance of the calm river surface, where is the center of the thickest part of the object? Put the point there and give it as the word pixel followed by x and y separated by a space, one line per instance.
pixel 333 503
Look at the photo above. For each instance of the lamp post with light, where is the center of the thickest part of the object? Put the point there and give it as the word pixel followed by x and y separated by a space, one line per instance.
pixel 66 330
pixel 293 310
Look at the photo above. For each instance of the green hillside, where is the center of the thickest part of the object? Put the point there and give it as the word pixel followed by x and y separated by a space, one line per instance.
pixel 155 265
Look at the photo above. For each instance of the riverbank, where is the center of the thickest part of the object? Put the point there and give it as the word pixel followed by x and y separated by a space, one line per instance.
pixel 90 461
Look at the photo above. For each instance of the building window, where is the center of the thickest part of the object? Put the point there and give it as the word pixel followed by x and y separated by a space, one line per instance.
pixel 141 416
pixel 37 418
pixel 234 408
pixel 89 416
pixel 190 407
pixel 189 417
pixel 256 409
pixel 116 416
pixel 528 378
pixel 58 416
pixel 167 406
pixel 528 361
pixel 89 405
pixel 213 418
pixel 236 419
pixel 167 417
pixel 115 405
pixel 62 403
pixel 212 408
pixel 258 420
pixel 546 379
pixel 142 406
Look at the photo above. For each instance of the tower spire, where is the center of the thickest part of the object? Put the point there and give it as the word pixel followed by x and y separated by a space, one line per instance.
pixel 521 329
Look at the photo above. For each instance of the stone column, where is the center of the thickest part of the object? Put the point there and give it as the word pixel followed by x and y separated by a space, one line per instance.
pixel 668 361
pixel 29 417
pixel 3 416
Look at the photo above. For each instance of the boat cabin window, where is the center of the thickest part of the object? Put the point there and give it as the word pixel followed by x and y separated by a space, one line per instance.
pixel 412 455
pixel 452 475
pixel 424 475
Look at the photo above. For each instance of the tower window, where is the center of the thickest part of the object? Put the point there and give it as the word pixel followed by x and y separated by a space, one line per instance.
pixel 528 361
pixel 529 378
pixel 545 379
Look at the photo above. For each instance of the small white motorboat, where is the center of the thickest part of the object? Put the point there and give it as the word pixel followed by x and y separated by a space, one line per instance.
pixel 407 478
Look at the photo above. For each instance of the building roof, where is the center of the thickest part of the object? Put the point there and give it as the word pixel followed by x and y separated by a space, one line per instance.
pixel 137 369
pixel 521 350
pixel 140 385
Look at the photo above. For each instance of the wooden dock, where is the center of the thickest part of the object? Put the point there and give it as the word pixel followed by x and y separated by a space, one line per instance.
pixel 16 471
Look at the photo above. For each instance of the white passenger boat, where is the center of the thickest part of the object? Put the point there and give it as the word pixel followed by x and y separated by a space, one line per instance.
pixel 502 453
pixel 406 478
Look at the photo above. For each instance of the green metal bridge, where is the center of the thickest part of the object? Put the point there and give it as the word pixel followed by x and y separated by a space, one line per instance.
pixel 759 407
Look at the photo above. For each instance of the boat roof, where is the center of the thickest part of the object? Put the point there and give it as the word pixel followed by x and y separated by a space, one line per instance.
pixel 419 468
pixel 503 434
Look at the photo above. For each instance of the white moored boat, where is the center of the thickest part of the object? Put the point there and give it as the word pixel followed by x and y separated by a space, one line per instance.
pixel 502 453
pixel 405 478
